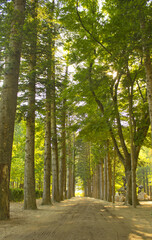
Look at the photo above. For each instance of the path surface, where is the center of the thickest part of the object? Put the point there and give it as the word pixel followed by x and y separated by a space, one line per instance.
pixel 76 219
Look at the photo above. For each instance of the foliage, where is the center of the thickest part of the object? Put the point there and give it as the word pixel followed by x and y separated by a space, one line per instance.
pixel 103 42
pixel 144 170
pixel 18 157
pixel 38 193
pixel 17 194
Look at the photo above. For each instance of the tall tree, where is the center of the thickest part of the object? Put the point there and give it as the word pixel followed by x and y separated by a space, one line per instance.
pixel 105 178
pixel 69 160
pixel 47 156
pixel 73 166
pixel 109 174
pixel 8 103
pixel 101 180
pixel 29 175
pixel 55 164
pixel 117 61
pixel 48 86
pixel 62 183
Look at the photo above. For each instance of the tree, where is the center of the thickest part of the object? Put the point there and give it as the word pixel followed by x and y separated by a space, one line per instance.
pixel 62 184
pixel 8 103
pixel 83 168
pixel 117 55
pixel 48 85
pixel 47 157
pixel 70 159
pixel 109 174
pixel 29 175
pixel 55 163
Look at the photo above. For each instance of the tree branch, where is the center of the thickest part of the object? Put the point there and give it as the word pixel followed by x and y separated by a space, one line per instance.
pixel 140 91
pixel 91 35
pixel 120 133
pixel 107 120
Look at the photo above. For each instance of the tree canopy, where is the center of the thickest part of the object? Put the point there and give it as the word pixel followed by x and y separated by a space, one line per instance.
pixel 82 96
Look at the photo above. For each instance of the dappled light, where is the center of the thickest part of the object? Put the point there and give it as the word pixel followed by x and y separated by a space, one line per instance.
pixel 75 120
pixel 77 218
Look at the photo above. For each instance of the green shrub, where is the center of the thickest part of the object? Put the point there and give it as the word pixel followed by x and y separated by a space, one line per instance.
pixel 17 195
pixel 39 193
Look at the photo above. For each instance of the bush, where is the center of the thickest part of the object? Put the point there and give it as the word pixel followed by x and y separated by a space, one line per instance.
pixel 39 193
pixel 17 194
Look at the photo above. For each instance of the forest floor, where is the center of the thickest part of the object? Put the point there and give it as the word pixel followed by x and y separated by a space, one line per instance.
pixel 79 219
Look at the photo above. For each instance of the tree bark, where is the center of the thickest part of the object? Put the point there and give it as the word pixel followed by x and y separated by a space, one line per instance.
pixel 55 167
pixel 113 177
pixel 55 163
pixel 101 180
pixel 69 167
pixel 29 175
pixel 46 200
pixel 105 178
pixel 63 155
pixel 62 184
pixel 132 147
pixel 69 177
pixel 8 104
pixel 94 184
pixel 129 185
pixel 109 175
pixel 98 180
pixel 147 182
pixel 73 167
pixel 89 172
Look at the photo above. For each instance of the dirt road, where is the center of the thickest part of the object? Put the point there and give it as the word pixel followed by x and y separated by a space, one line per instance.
pixel 77 219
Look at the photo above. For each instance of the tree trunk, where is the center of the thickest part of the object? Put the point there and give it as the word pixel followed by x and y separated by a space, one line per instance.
pixel 105 178
pixel 46 200
pixel 63 157
pixel 129 185
pixel 89 173
pixel 113 177
pixel 147 182
pixel 55 168
pixel 55 164
pixel 86 191
pixel 94 184
pixel 69 177
pixel 101 180
pixel 69 169
pixel 109 176
pixel 132 147
pixel 8 104
pixel 98 180
pixel 29 176
pixel 73 168
pixel 144 185
pixel 62 184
